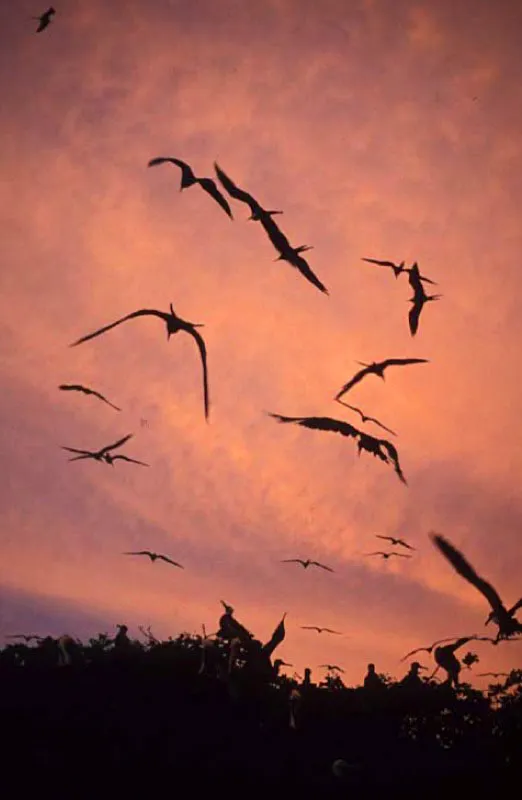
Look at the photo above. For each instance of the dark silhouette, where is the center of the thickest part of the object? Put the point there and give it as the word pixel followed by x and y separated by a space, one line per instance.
pixel 104 454
pixel 32 637
pixel 331 667
pixel 373 681
pixel 419 298
pixel 174 325
pixel 45 19
pixel 395 541
pixel 307 563
pixel 493 674
pixel 66 387
pixel 319 630
pixel 387 555
pixel 293 256
pixel 257 212
pixel 377 368
pixel 366 418
pixel 153 557
pixel 430 648
pixel 504 618
pixel 412 679
pixel 189 179
pixel 445 657
pixel 470 659
pixel 397 268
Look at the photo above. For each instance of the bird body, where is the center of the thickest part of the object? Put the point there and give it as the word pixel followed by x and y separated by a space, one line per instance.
pixel 45 19
pixel 67 387
pixel 188 179
pixel 377 368
pixel 305 563
pixel 174 324
pixel 387 555
pixel 153 557
pixel 395 541
pixel 418 299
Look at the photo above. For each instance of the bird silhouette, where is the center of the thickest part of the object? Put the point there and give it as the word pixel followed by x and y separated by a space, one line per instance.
pixel 365 418
pixel 45 19
pixel 67 387
pixel 387 555
pixel 395 541
pixel 174 324
pixel 305 563
pixel 103 454
pixel 188 178
pixel 319 630
pixel 493 674
pixel 331 667
pixel 377 368
pixel 504 618
pixel 293 256
pixel 153 557
pixel 397 268
pixel 256 210
pixel 419 298
pixel 430 648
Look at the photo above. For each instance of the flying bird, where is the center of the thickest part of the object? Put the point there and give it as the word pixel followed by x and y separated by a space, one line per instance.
pixel 189 179
pixel 493 674
pixel 331 667
pixel 67 387
pixel 174 324
pixel 504 618
pixel 430 648
pixel 153 557
pixel 293 256
pixel 395 541
pixel 257 212
pixel 365 418
pixel 387 555
pixel 377 368
pixel 419 298
pixel 45 19
pixel 306 563
pixel 103 454
pixel 397 268
pixel 319 630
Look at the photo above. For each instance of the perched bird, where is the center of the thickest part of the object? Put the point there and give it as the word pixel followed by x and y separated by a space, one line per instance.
pixel 45 19
pixel 397 268
pixel 189 179
pixel 419 298
pixel 504 618
pixel 331 667
pixel 174 325
pixel 319 630
pixel 153 557
pixel 395 541
pixel 103 454
pixel 366 418
pixel 256 211
pixel 66 387
pixel 305 563
pixel 387 555
pixel 377 368
pixel 430 648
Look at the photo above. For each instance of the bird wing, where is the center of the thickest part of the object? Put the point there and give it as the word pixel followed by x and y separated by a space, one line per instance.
pixel 515 607
pixel 405 544
pixel 291 561
pixel 413 317
pixel 76 387
pixel 377 553
pixel 141 313
pixel 418 650
pixel 353 408
pixel 116 444
pixel 386 538
pixel 104 399
pixel 394 456
pixel 170 561
pixel 138 553
pixel 274 233
pixel 311 628
pixel 376 422
pixel 297 261
pixel 234 191
pixel 400 555
pixel 74 450
pixel 187 172
pixel 464 568
pixel 381 263
pixel 321 423
pixel 203 353
pixel 329 630
pixel 276 638
pixel 130 460
pixel 398 362
pixel 356 378
pixel 317 564
pixel 210 187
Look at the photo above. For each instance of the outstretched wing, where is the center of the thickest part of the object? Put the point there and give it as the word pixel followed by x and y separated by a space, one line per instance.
pixel 297 261
pixel 138 553
pixel 394 456
pixel 74 450
pixel 376 422
pixel 170 561
pixel 86 390
pixel 291 561
pixel 311 628
pixel 116 444
pixel 398 362
pixel 317 564
pixel 141 313
pixel 386 538
pixel 210 187
pixel 515 608
pixel 234 191
pixel 131 460
pixel 188 174
pixel 464 568
pixel 413 317
pixel 405 544
pixel 203 353
pixel 400 555
pixel 276 638
pixel 321 423
pixel 329 630
pixel 356 378
pixel 381 263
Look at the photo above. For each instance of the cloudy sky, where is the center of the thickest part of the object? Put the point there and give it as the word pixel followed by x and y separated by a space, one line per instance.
pixel 381 129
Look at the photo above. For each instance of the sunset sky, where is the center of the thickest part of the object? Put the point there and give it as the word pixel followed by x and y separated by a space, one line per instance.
pixel 383 129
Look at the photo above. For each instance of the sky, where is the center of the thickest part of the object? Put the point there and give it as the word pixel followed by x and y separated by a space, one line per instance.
pixel 382 130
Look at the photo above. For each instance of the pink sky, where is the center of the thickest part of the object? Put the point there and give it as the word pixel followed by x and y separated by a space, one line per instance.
pixel 386 130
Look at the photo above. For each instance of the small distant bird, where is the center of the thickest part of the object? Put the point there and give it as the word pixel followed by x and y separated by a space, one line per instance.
pixel 153 557
pixel 319 630
pixel 377 368
pixel 189 179
pixel 366 418
pixel 45 19
pixel 32 637
pixel 430 648
pixel 306 563
pixel 419 298
pixel 395 541
pixel 504 618
pixel 104 454
pixel 331 667
pixel 256 211
pixel 470 659
pixel 174 325
pixel 493 674
pixel 66 387
pixel 387 555
pixel 397 268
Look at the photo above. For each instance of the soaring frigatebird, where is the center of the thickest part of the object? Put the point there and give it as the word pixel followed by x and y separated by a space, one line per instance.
pixel 395 541
pixel 45 19
pixel 257 212
pixel 331 667
pixel 419 298
pixel 189 179
pixel 104 454
pixel 430 648
pixel 76 387
pixel 500 615
pixel 365 418
pixel 320 630
pixel 493 674
pixel 153 557
pixel 397 268
pixel 387 555
pixel 306 563
pixel 174 324
pixel 377 368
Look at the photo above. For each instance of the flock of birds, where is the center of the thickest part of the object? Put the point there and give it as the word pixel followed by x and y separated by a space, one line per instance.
pixel 382 449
